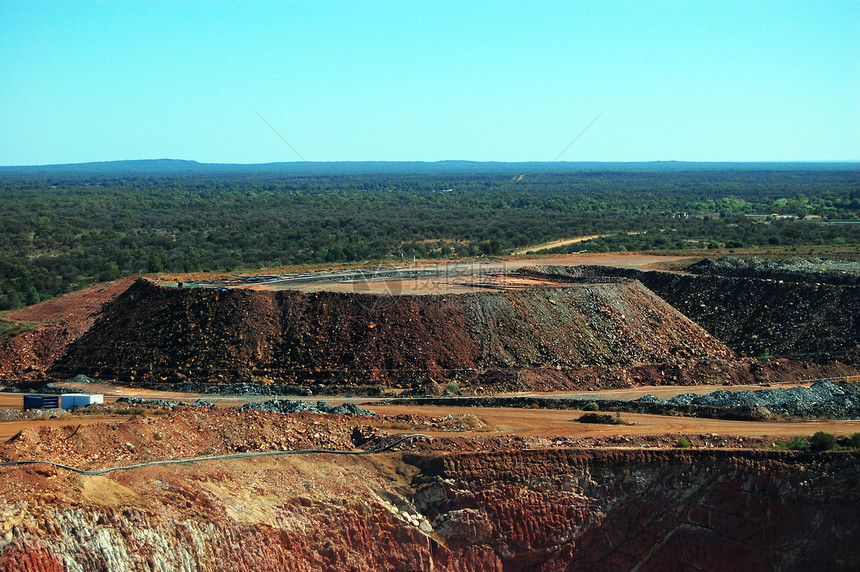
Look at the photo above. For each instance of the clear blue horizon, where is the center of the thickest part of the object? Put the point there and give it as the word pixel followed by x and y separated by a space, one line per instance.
pixel 261 82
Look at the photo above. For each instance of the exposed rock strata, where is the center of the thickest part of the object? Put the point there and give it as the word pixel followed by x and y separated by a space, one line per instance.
pixel 619 510
pixel 526 510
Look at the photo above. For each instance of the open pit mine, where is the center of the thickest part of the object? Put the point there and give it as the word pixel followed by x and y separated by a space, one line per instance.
pixel 136 484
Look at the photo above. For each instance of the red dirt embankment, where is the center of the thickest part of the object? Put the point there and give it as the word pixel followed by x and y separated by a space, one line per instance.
pixel 58 322
pixel 567 337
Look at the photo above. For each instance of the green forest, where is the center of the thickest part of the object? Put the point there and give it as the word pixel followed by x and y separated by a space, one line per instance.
pixel 63 231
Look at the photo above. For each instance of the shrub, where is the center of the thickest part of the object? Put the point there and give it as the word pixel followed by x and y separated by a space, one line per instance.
pixel 452 387
pixel 853 441
pixel 683 443
pixel 822 441
pixel 591 406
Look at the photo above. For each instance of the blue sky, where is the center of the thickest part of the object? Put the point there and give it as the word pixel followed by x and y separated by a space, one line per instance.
pixel 428 81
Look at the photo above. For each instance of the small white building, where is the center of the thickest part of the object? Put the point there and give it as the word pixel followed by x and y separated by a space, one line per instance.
pixel 63 401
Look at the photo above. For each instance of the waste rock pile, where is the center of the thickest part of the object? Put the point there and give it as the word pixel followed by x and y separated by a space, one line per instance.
pixel 153 335
pixel 821 270
pixel 163 402
pixel 725 321
pixel 244 388
pixel 822 399
pixel 272 406
pixel 802 317
pixel 55 324
pixel 295 406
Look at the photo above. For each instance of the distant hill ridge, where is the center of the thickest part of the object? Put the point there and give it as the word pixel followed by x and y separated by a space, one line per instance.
pixel 187 167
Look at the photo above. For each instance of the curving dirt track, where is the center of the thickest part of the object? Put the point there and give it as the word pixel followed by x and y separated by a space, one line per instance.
pixel 557 243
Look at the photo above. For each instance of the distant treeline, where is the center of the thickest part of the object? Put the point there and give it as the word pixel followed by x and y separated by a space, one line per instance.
pixel 64 230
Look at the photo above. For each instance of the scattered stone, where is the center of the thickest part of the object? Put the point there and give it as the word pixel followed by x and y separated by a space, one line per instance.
pixel 351 409
pixel 245 389
pixel 80 378
pixel 154 402
pixel 296 405
pixel 820 270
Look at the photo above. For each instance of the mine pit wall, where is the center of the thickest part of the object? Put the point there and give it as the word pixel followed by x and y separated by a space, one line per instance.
pixel 153 334
pixel 650 510
pixel 547 510
pixel 802 321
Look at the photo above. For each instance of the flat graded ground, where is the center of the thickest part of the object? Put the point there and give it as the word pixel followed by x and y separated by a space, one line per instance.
pixel 451 277
pixel 9 429
pixel 562 423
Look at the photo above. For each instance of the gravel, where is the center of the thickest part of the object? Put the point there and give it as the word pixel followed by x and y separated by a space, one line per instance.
pixel 824 270
pixel 80 378
pixel 256 389
pixel 272 405
pixel 164 402
pixel 822 399
pixel 294 406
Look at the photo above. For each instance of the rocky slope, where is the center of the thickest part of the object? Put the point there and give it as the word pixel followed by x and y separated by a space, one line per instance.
pixel 421 509
pixel 623 510
pixel 152 334
pixel 815 270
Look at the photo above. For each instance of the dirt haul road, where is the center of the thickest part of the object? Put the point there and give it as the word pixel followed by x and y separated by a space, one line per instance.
pixel 550 423
pixel 536 423
pixel 507 421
